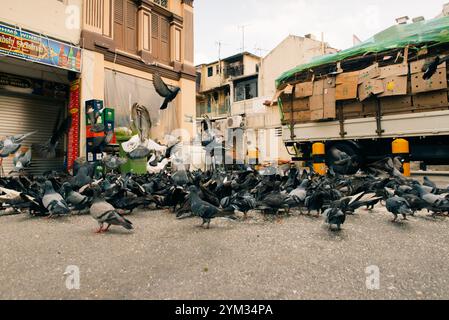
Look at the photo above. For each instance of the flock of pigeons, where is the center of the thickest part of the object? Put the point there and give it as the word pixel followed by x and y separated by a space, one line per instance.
pixel 111 197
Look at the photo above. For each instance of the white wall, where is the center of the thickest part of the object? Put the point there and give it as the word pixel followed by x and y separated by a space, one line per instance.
pixel 47 17
pixel 293 51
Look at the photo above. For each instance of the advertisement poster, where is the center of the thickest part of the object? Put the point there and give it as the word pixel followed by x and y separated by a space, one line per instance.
pixel 73 137
pixel 28 46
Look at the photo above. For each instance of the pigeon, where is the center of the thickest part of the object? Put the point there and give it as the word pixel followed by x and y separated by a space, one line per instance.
pixel 169 94
pixel 429 183
pixel 53 201
pixel 22 160
pixel 93 117
pixel 105 213
pixel 335 216
pixel 74 199
pixel 48 150
pixel 141 121
pixel 430 68
pixel 12 144
pixel 204 209
pixel 113 162
pixel 82 178
pixel 398 206
pixel 157 168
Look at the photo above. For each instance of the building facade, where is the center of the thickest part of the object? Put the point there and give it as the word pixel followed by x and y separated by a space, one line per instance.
pixel 233 93
pixel 40 58
pixel 57 54
pixel 127 41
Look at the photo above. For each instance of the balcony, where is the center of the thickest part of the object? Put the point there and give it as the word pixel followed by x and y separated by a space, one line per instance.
pixel 214 111
pixel 234 71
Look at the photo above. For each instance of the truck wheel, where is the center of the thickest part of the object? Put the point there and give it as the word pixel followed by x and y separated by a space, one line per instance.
pixel 344 158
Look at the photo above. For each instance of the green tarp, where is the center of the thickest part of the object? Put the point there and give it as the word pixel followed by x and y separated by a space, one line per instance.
pixel 399 36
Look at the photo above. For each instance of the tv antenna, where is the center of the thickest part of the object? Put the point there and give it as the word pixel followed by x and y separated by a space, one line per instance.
pixel 243 27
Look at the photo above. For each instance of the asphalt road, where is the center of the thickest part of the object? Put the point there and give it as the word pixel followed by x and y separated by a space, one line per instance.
pixel 294 257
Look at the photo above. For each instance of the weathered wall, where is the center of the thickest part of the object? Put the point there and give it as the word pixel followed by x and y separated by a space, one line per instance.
pixel 56 19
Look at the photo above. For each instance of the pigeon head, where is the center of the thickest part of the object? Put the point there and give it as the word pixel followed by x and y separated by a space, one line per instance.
pixel 48 186
pixel 66 187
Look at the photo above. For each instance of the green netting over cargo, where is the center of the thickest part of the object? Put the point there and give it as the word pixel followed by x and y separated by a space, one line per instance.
pixel 398 36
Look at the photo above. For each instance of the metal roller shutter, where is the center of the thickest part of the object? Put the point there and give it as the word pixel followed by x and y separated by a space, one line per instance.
pixel 23 113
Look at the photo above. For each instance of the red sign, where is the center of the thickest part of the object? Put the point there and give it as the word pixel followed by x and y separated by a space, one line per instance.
pixel 74 133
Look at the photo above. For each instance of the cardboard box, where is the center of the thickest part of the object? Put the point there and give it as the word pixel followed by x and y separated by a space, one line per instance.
pixel 316 115
pixel 431 100
pixel 437 82
pixel 301 104
pixel 316 102
pixel 370 87
pixel 396 104
pixel 330 111
pixel 302 116
pixel 393 70
pixel 395 86
pixel 318 87
pixel 417 66
pixel 304 90
pixel 369 73
pixel 346 86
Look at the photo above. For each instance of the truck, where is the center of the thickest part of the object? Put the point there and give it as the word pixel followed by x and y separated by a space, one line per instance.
pixel 359 100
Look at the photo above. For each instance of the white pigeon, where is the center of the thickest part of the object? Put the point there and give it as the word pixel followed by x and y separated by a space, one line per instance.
pixel 157 169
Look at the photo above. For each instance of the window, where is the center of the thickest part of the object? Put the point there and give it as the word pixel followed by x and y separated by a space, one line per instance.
pixel 246 90
pixel 160 38
pixel 210 72
pixel 162 3
pixel 125 25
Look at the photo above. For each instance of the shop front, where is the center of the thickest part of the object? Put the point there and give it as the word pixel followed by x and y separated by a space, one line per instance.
pixel 39 86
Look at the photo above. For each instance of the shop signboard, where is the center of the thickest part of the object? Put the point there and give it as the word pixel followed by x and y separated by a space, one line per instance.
pixel 25 45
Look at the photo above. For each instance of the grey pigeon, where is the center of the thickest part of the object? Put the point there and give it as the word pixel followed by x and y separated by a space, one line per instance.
pixel 82 178
pixel 335 216
pixel 93 118
pixel 53 201
pixel 141 121
pixel 11 144
pixel 398 206
pixel 204 209
pixel 74 199
pixel 61 128
pixel 105 213
pixel 22 160
pixel 169 94
pixel 113 162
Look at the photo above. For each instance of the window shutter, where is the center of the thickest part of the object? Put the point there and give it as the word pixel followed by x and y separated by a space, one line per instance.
pixel 165 40
pixel 119 28
pixel 131 27
pixel 155 35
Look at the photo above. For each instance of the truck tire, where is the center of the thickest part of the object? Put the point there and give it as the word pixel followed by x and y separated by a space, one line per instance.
pixel 352 152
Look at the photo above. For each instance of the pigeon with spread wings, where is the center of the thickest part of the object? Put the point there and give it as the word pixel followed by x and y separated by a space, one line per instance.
pixel 61 128
pixel 166 92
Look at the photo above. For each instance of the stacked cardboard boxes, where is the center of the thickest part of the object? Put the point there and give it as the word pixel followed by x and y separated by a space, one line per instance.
pixel 94 139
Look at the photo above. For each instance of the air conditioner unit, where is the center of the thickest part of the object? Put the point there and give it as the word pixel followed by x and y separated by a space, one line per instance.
pixel 236 122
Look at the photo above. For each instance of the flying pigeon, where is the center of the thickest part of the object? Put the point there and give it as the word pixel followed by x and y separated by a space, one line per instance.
pixel 141 121
pixel 169 94
pixel 22 160
pixel 430 68
pixel 11 144
pixel 93 117
pixel 61 128
pixel 113 162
